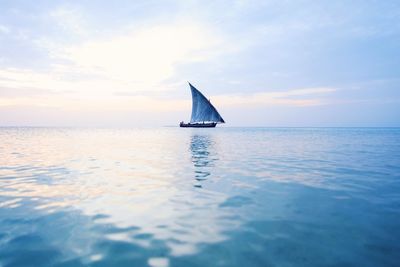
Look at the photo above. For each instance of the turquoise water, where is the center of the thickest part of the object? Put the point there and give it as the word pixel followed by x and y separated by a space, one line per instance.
pixel 200 197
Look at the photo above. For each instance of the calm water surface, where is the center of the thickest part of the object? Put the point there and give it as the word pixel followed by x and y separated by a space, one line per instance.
pixel 200 197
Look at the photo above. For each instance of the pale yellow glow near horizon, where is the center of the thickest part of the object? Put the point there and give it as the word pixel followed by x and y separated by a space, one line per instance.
pixel 121 72
pixel 145 57
pixel 146 103
pixel 96 71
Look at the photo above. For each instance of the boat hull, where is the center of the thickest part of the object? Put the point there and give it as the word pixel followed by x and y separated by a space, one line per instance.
pixel 198 125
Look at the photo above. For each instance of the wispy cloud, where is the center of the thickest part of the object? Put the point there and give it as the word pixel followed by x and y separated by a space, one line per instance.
pixel 69 19
pixel 23 92
pixel 147 56
pixel 298 97
pixel 91 75
pixel 4 29
pixel 140 60
pixel 69 101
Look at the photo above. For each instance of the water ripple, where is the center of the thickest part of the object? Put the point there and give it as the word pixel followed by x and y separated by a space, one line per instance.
pixel 199 197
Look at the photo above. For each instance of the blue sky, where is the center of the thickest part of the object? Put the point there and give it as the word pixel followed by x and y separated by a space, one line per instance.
pixel 262 63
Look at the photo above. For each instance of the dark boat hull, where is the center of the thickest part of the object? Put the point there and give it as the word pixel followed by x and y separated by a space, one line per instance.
pixel 198 125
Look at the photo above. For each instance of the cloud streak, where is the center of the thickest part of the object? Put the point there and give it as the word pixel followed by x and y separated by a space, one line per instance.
pixel 142 103
pixel 147 56
pixel 139 60
pixel 298 98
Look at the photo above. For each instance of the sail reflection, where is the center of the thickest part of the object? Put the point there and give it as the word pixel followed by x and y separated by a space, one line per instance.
pixel 203 156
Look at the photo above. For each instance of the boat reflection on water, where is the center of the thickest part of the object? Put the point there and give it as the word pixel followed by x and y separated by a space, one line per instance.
pixel 203 156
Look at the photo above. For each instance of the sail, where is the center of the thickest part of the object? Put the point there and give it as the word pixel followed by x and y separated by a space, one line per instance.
pixel 202 109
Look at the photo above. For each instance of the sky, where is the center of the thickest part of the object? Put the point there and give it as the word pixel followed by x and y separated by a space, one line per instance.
pixel 262 63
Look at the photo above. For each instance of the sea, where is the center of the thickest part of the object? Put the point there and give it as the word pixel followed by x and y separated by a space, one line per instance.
pixel 167 196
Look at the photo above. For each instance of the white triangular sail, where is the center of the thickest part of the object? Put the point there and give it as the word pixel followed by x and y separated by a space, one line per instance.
pixel 202 109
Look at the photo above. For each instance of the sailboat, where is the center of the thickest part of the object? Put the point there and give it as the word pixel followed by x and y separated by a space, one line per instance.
pixel 204 114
